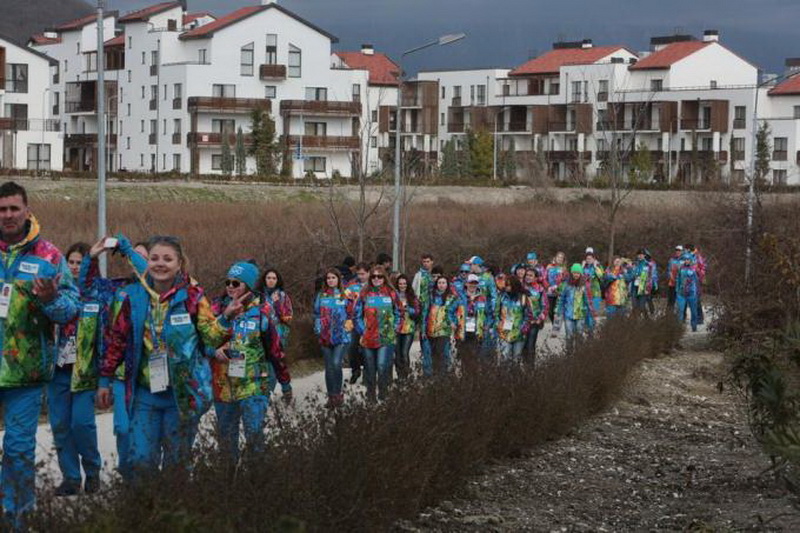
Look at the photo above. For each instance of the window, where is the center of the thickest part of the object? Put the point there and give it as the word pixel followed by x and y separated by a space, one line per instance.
pixel 223 91
pixel 270 91
pixel 472 94
pixel 176 162
pixel 216 161
pixel 481 94
pixel 38 157
pixel 780 147
pixel 602 91
pixel 457 91
pixel 314 164
pixel 223 125
pixel 779 176
pixel 373 142
pixel 176 126
pixel 142 126
pixel 177 91
pixel 66 65
pixel 317 93
pixel 707 144
pixel 247 60
pixel 356 92
pixel 657 85
pixel 163 161
pixel 319 129
pixel 555 87
pixel 141 160
pixel 576 91
pixel 143 89
pixel 144 58
pixel 78 47
pixel 374 115
pixel 441 119
pixel 91 61
pixel 443 92
pixel 129 76
pixel 154 57
pixel 154 92
pixel 739 116
pixel 16 78
pixel 163 126
pixel 797 112
pixel 295 61
pixel 738 148
pixel 130 43
pixel 713 84
pixel 202 56
pixel 153 126
pixel 128 143
pixel 272 49
pixel 129 109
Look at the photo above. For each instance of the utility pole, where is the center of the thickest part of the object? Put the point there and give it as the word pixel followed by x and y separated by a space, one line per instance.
pixel 101 135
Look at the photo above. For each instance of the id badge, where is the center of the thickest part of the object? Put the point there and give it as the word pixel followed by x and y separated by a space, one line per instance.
pixel 472 325
pixel 159 372
pixel 508 324
pixel 236 366
pixel 68 354
pixel 5 299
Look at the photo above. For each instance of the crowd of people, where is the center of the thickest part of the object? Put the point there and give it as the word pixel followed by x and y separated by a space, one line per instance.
pixel 154 347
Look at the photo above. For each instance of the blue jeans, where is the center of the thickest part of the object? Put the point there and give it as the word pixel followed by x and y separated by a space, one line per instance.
pixel 690 302
pixel 440 355
pixel 21 408
pixel 425 349
pixel 615 310
pixel 530 344
pixel 511 352
pixel 122 429
pixel 402 358
pixel 156 427
pixel 573 330
pixel 334 359
pixel 74 429
pixel 252 412
pixel 378 364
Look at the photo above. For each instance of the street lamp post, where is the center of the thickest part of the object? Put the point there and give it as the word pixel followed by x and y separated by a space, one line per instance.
pixel 441 41
pixel 494 152
pixel 101 134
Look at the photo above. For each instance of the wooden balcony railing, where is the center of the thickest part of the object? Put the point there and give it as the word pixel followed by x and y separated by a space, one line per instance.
pixel 348 143
pixel 320 107
pixel 272 72
pixel 215 104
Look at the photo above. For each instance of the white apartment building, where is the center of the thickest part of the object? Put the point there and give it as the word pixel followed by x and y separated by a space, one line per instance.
pixel 29 137
pixel 73 86
pixel 779 107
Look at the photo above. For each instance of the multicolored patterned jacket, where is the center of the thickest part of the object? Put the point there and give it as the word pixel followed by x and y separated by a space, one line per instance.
pixel 574 300
pixel 284 311
pixel 617 280
pixel 422 284
pixel 255 337
pixel 537 293
pixel 514 317
pixel 351 292
pixel 555 274
pixel 688 285
pixel 189 328
pixel 331 312
pixel 700 266
pixel 27 333
pixel 645 278
pixel 410 315
pixel 477 308
pixel 594 276
pixel 488 287
pixel 378 316
pixel 97 295
pixel 443 315
pixel 673 265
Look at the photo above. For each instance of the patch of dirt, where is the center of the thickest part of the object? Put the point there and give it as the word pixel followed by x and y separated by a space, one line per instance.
pixel 674 453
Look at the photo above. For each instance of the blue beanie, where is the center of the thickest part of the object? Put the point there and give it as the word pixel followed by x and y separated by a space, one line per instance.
pixel 245 272
pixel 464 267
pixel 532 255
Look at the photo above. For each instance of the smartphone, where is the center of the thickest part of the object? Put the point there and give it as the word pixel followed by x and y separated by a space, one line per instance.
pixel 111 242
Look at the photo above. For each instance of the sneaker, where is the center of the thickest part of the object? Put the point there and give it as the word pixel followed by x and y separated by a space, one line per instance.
pixel 91 485
pixel 287 397
pixel 68 488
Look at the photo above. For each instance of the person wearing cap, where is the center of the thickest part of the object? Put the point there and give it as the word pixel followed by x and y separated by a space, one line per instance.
pixel 618 279
pixel 594 273
pixel 555 273
pixel 460 281
pixel 532 260
pixel 240 367
pixel 688 289
pixel 673 265
pixel 478 322
pixel 537 294
pixel 159 328
pixel 645 282
pixel 701 267
pixel 574 305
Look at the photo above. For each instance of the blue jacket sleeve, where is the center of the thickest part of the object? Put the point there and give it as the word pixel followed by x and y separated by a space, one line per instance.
pixel 65 306
pixel 317 321
pixel 359 315
pixel 138 262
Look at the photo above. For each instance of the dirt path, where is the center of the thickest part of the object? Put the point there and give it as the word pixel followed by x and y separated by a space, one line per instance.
pixel 673 454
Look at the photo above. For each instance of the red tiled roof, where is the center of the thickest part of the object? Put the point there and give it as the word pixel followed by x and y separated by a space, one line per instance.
pixel 789 86
pixel 550 62
pixel 119 40
pixel 40 39
pixel 188 18
pixel 144 14
pixel 669 55
pixel 76 24
pixel 382 70
pixel 207 30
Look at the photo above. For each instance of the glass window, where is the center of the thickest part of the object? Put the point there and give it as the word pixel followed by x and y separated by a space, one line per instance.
pixel 38 157
pixel 223 91
pixel 270 91
pixel 177 90
pixel 216 161
pixel 317 93
pixel 295 61
pixel 356 92
pixel 202 56
pixel 656 85
pixel 272 49
pixel 797 111
pixel 315 164
pixel 16 78
pixel 247 59
pixel 319 129
pixel 219 125
pixel 176 125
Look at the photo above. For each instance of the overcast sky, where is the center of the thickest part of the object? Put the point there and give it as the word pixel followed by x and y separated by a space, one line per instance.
pixel 504 33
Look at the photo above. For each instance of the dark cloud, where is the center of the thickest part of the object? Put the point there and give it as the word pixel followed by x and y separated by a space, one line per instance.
pixel 506 32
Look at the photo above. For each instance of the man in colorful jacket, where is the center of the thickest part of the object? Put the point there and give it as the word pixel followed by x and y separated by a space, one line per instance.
pixel 488 287
pixel 673 265
pixel 37 293
pixel 645 282
pixel 351 291
pixel 574 305
pixel 688 289
pixel 422 285
pixel 594 273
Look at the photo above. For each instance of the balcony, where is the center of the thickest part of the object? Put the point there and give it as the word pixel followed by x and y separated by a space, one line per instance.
pixel 411 100
pixel 217 138
pixel 272 72
pixel 739 123
pixel 29 124
pixel 346 143
pixel 206 104
pixel 82 106
pixel 456 101
pixel 780 155
pixel 704 155
pixel 513 127
pixel 86 140
pixel 154 70
pixel 177 103
pixel 151 139
pixel 176 138
pixel 569 155
pixel 695 124
pixel 562 126
pixel 320 108
pixel 455 127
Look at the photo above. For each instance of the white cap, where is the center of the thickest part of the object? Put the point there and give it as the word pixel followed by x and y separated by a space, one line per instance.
pixel 679 248
pixel 589 250
pixel 473 278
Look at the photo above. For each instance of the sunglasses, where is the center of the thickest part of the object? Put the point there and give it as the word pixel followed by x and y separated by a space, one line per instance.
pixel 235 283
pixel 377 276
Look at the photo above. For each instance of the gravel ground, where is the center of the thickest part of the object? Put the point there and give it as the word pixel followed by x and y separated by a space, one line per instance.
pixel 674 453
